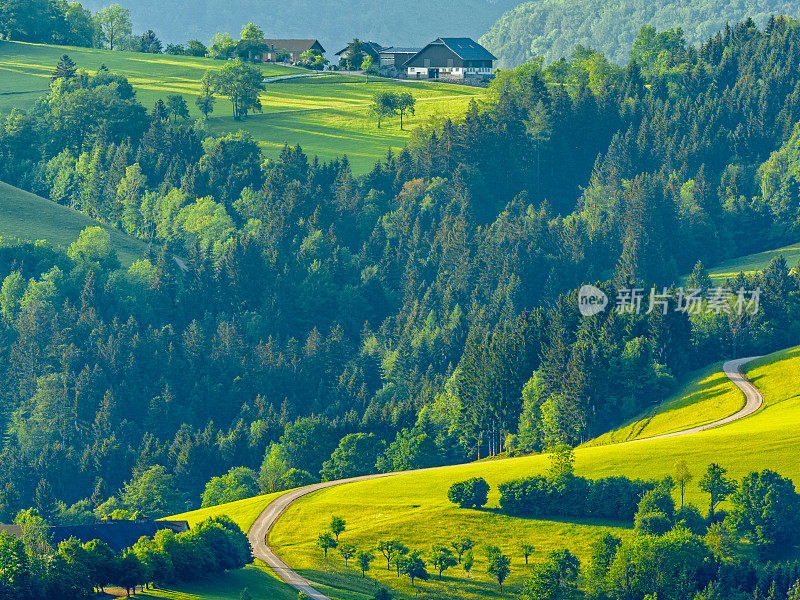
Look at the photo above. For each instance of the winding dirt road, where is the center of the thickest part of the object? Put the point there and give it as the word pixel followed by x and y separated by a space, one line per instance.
pixel 259 532
pixel 753 400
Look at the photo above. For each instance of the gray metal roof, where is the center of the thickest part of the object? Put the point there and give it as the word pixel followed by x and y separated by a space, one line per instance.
pixel 467 48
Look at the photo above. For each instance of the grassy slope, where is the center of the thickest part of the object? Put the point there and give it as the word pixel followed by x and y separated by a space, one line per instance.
pixel 242 512
pixel 327 115
pixel 414 508
pixel 755 262
pixel 31 218
pixel 707 397
pixel 258 579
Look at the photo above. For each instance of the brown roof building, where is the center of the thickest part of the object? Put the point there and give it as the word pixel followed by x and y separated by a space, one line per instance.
pixel 295 47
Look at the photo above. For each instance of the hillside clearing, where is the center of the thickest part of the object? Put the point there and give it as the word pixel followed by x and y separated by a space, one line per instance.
pixel 31 218
pixel 755 262
pixel 242 512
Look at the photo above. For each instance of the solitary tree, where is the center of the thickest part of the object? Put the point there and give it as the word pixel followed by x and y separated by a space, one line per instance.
pixel 716 485
pixel 241 84
pixel 364 559
pixel 337 526
pixel 405 103
pixel 469 560
pixel 384 105
pixel 499 567
pixel 114 23
pixel 347 551
pixel 326 542
pixel 527 550
pixel 413 566
pixel 390 549
pixel 369 68
pixel 442 559
pixel 177 107
pixel 682 477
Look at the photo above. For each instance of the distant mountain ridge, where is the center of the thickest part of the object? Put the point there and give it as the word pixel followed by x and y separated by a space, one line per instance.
pixel 552 28
pixel 333 22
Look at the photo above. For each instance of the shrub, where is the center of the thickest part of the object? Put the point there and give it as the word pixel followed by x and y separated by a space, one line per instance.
pixel 472 493
pixel 653 523
pixel 690 518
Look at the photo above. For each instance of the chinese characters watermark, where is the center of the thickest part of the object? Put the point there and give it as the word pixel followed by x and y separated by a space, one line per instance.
pixel 692 301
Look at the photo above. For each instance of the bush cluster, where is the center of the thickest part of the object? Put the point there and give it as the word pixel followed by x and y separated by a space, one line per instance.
pixel 609 498
pixel 472 493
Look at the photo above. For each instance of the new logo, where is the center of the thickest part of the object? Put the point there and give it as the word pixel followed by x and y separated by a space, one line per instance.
pixel 591 300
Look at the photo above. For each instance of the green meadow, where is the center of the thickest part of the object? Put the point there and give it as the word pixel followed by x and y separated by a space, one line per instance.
pixel 707 397
pixel 414 509
pixel 257 578
pixel 242 512
pixel 755 262
pixel 327 115
pixel 30 218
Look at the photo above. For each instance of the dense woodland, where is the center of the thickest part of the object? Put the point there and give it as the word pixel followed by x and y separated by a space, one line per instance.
pixel 327 325
pixel 552 28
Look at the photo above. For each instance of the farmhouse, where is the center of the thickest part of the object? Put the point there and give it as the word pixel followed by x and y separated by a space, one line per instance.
pixel 295 47
pixel 371 49
pixel 455 58
pixel 118 534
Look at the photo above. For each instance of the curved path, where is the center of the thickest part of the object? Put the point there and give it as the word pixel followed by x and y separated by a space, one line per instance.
pixel 753 400
pixel 266 521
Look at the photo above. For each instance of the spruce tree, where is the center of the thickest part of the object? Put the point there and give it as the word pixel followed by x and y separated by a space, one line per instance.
pixel 65 69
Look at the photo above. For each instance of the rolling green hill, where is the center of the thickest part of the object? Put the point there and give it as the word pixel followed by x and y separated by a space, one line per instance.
pixel 414 508
pixel 243 512
pixel 28 217
pixel 552 28
pixel 328 115
pixel 755 262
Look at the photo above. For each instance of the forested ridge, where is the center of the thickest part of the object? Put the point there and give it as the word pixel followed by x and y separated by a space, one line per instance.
pixel 552 28
pixel 329 325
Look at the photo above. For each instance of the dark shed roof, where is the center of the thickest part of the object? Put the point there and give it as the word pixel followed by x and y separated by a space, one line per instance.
pixel 117 534
pixel 373 48
pixel 294 45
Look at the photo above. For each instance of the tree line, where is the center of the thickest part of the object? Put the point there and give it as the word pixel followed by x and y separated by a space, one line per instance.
pixel 34 569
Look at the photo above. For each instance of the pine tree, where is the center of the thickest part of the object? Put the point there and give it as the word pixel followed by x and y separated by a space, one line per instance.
pixel 65 69
pixel 46 502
